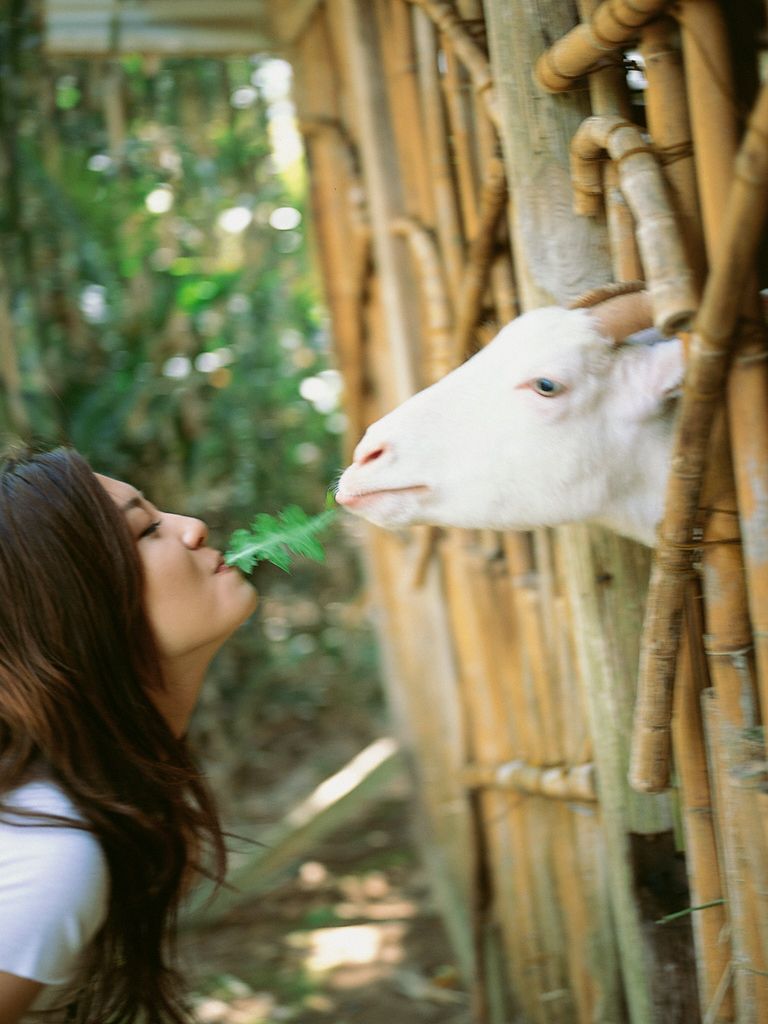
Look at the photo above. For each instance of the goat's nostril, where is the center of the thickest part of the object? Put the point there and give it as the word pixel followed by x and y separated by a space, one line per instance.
pixel 371 456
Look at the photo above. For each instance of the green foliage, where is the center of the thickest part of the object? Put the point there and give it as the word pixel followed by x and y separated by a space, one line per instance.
pixel 179 355
pixel 277 538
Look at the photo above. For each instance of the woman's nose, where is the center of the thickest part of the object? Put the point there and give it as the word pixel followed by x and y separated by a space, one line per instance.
pixel 194 532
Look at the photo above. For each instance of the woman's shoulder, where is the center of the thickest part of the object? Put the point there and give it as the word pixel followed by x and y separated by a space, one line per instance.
pixel 42 796
pixel 53 884
pixel 40 837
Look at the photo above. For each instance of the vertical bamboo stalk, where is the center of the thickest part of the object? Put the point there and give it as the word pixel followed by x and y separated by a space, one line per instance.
pixel 607 725
pixel 745 214
pixel 480 256
pixel 379 155
pixel 400 63
pixel 608 94
pixel 535 137
pixel 669 126
pixel 713 951
pixel 710 92
pixel 459 106
pixel 343 241
pixel 714 128
pixel 447 217
pixel 670 130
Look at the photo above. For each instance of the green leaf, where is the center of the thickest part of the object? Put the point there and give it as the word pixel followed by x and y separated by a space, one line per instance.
pixel 278 539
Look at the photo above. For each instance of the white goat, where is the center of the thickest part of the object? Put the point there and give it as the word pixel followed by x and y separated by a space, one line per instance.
pixel 555 421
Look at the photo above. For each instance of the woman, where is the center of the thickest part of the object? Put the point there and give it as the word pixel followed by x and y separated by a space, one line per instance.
pixel 110 613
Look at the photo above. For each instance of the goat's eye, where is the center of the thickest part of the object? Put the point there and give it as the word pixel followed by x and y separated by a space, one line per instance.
pixel 546 387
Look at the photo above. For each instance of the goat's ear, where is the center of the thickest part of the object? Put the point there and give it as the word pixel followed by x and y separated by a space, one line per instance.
pixel 657 377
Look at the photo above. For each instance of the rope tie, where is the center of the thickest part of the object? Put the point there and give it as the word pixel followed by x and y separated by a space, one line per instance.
pixel 755 357
pixel 634 152
pixel 671 154
pixel 733 652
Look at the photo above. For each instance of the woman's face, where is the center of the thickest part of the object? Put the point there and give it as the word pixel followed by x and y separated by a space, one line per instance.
pixel 193 600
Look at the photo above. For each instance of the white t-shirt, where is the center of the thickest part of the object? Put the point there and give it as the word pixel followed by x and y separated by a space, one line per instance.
pixel 54 887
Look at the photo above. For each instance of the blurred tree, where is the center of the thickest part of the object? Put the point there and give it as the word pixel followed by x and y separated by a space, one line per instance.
pixel 157 310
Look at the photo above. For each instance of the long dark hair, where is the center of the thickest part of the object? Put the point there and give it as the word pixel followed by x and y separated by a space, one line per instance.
pixel 78 665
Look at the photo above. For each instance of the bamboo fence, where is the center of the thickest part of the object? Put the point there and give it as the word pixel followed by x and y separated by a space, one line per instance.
pixel 512 660
pixel 469 161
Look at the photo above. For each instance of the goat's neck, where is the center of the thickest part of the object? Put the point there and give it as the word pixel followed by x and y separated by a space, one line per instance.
pixel 636 504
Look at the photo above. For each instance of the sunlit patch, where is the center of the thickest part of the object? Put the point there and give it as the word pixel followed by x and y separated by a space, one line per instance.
pixel 374 946
pixel 237 1005
pixel 235 219
pixel 313 874
pixel 160 199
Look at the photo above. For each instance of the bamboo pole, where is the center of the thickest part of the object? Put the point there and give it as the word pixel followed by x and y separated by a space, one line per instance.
pixel 381 171
pixel 594 44
pixel 560 782
pixel 398 51
pixel 341 228
pixel 712 107
pixel 669 126
pixel 609 96
pixel 479 261
pixel 670 129
pixel 670 283
pixel 489 732
pixel 446 19
pixel 439 336
pixel 447 223
pixel 713 950
pixel 725 748
pixel 602 696
pixel 745 213
pixel 555 260
pixel 459 104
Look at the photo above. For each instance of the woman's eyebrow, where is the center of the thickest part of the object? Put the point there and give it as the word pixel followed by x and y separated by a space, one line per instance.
pixel 136 502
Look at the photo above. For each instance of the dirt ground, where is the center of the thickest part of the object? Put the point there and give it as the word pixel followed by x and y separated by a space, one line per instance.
pixel 351 937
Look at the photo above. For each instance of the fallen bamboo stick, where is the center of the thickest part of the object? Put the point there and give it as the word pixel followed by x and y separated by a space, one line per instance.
pixel 342 798
pixel 670 283
pixel 715 330
pixel 592 45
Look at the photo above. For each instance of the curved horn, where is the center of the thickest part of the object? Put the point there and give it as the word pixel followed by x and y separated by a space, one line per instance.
pixel 618 309
pixel 606 291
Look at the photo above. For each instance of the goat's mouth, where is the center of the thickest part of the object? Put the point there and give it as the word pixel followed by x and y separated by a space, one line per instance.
pixel 360 500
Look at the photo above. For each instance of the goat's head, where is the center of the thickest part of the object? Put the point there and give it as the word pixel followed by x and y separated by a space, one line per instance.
pixel 554 421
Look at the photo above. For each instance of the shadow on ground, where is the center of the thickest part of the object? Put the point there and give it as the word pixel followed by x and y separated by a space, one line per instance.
pixel 352 937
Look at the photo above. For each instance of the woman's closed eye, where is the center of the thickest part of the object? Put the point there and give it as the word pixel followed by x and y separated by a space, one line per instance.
pixel 150 530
